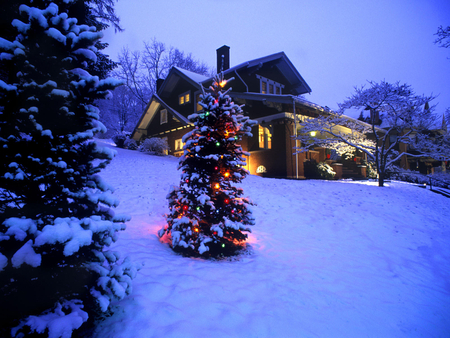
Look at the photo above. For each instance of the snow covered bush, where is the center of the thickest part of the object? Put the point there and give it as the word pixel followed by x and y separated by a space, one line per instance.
pixel 437 179
pixel 155 146
pixel 131 144
pixel 56 218
pixel 119 139
pixel 325 171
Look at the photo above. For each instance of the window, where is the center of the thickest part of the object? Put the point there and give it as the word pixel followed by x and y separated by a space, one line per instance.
pixel 263 87
pixel 184 98
pixel 163 116
pixel 178 144
pixel 264 138
pixel 268 86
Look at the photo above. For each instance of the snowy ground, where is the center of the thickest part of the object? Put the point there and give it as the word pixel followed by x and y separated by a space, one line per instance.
pixel 330 259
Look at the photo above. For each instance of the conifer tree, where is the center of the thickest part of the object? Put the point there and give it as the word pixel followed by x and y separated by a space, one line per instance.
pixel 208 215
pixel 56 216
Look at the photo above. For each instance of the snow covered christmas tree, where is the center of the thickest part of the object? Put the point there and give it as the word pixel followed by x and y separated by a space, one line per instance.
pixel 208 215
pixel 55 210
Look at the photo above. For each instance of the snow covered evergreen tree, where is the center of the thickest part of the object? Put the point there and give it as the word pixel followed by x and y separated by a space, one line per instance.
pixel 56 218
pixel 208 215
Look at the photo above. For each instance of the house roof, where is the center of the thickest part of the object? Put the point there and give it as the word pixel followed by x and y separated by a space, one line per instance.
pixel 191 76
pixel 177 73
pixel 277 98
pixel 284 65
pixel 151 110
pixel 437 124
pixel 279 60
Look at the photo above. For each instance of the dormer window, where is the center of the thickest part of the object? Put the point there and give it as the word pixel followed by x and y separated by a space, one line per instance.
pixel 163 116
pixel 184 98
pixel 268 86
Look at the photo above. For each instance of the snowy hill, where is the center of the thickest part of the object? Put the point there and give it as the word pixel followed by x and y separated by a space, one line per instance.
pixel 330 259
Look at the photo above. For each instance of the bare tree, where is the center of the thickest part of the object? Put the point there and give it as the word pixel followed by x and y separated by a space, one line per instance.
pixel 141 70
pixel 406 118
pixel 443 37
pixel 130 70
pixel 121 112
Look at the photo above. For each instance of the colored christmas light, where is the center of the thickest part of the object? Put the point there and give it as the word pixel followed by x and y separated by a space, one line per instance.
pixel 217 186
pixel 227 174
pixel 218 144
pixel 185 207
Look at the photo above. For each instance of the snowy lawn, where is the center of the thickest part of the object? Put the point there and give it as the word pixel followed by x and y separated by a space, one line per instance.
pixel 330 259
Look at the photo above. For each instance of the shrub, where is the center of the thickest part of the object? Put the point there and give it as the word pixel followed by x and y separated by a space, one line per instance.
pixel 131 144
pixel 438 179
pixel 310 169
pixel 370 169
pixel 119 140
pixel 155 146
pixel 325 171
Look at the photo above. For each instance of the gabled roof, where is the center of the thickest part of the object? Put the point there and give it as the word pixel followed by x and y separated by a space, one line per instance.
pixel 284 65
pixel 191 76
pixel 150 112
pixel 175 74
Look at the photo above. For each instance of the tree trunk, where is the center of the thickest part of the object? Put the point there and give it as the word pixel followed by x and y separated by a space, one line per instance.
pixel 381 179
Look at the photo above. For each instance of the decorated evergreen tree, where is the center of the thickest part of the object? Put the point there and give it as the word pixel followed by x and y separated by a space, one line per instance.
pixel 55 210
pixel 208 215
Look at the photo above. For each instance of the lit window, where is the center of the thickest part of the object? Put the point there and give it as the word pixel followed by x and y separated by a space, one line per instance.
pixel 268 86
pixel 178 144
pixel 184 98
pixel 264 138
pixel 163 116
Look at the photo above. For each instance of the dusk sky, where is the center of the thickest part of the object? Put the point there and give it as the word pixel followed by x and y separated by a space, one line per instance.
pixel 335 45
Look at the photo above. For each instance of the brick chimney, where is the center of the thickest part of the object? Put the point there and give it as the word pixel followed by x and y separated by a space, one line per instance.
pixel 223 58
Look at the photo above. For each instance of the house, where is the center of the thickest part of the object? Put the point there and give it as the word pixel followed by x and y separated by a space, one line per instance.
pixel 434 128
pixel 269 88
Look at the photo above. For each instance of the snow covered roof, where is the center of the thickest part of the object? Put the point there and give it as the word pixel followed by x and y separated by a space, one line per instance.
pixel 149 113
pixel 284 65
pixel 355 113
pixel 198 78
pixel 174 76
